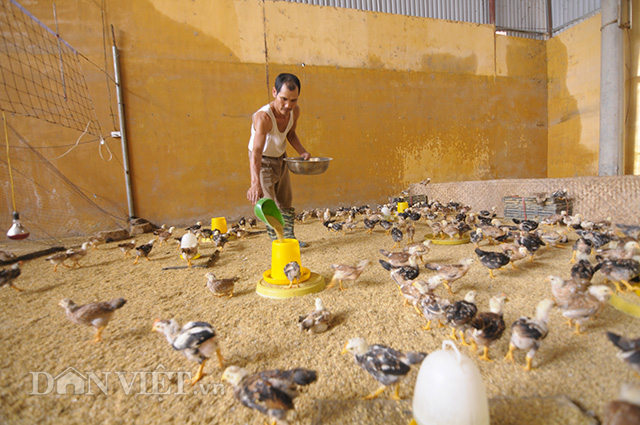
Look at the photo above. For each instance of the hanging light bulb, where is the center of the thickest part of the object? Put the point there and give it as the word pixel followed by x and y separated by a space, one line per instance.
pixel 17 231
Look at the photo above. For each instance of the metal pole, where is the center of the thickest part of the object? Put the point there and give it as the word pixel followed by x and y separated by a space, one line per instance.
pixel 123 131
pixel 611 155
pixel 549 20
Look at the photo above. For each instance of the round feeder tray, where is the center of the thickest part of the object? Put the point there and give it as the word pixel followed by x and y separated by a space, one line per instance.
pixel 447 241
pixel 194 258
pixel 315 283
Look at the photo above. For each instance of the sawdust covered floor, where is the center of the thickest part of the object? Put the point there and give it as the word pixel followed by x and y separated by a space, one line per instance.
pixel 574 377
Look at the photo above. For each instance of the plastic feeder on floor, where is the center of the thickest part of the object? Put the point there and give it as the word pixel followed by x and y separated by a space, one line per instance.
pixel 274 283
pixel 219 223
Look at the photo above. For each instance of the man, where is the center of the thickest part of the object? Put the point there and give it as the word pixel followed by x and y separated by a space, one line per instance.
pixel 272 125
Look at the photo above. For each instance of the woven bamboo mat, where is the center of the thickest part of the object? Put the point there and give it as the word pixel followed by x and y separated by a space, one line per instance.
pixel 596 198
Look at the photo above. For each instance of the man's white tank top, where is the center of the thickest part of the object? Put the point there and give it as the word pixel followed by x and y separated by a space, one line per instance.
pixel 276 143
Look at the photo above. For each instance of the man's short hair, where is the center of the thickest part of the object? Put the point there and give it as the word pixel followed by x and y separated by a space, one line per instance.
pixel 289 79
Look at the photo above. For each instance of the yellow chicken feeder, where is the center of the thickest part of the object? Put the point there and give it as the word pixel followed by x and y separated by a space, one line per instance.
pixel 274 283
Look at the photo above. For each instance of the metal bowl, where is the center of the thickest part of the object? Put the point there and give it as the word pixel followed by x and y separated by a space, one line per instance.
pixel 314 165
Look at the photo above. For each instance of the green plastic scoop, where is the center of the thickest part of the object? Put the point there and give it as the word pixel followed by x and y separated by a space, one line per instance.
pixel 266 207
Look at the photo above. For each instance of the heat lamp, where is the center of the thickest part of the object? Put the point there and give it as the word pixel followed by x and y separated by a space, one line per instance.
pixel 17 230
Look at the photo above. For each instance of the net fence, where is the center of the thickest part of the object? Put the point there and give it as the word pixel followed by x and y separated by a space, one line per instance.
pixel 41 78
pixel 40 73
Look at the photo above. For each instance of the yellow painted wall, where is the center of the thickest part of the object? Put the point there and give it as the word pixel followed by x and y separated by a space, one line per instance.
pixel 573 59
pixel 393 99
pixel 632 116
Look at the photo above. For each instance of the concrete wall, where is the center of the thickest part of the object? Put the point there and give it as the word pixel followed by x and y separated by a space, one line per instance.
pixel 393 99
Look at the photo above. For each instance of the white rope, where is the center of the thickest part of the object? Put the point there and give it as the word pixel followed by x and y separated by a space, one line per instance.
pixel 76 145
pixel 103 143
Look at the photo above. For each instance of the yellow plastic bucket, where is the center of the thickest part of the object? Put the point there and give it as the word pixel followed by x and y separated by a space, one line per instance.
pixel 219 223
pixel 402 206
pixel 283 251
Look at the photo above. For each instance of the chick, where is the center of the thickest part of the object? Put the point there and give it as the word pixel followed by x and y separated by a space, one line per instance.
pixel 162 235
pixel 619 271
pixel 317 320
pixel 385 364
pixel 7 276
pixel 581 246
pixel 582 272
pixel 531 241
pixel 492 260
pixel 369 224
pixel 563 290
pixel 525 225
pixel 629 350
pixel 451 272
pixel 626 409
pixel 143 251
pixel 188 253
pixel 583 306
pixel 346 272
pixel 57 259
pixel 528 333
pixel 220 287
pixel 386 225
pixel 617 251
pixel 6 256
pixel 459 314
pixel 76 255
pixel 487 327
pixel 431 306
pixel 292 271
pixel 93 314
pixel 491 233
pixel 420 248
pixel 126 247
pixel 396 235
pixel 515 253
pixel 397 259
pixel 411 231
pixel 270 392
pixel 197 341
pixel 408 272
pixel 97 239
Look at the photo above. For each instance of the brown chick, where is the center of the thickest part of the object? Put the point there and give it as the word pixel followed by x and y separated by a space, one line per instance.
pixel 397 259
pixel 563 290
pixel 220 287
pixel 420 248
pixel 7 276
pixel 292 271
pixel 143 251
pixel 619 271
pixel 76 255
pixel 460 313
pixel 451 272
pixel 57 259
pixel 583 306
pixel 162 235
pixel 93 314
pixel 411 231
pixel 528 333
pixel 487 327
pixel 626 409
pixel 97 239
pixel 316 321
pixel 7 256
pixel 346 272
pixel 126 247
